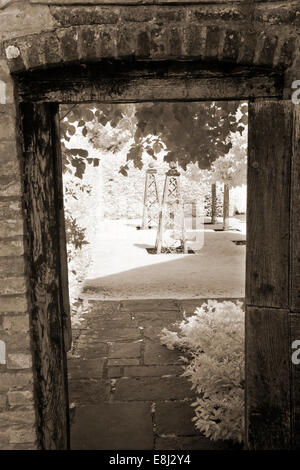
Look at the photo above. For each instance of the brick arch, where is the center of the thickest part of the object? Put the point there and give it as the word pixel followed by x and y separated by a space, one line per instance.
pixel 84 43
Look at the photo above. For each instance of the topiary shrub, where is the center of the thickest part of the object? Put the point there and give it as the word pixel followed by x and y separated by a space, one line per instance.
pixel 213 342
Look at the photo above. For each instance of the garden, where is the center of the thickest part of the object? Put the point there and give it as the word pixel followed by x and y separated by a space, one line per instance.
pixel 107 150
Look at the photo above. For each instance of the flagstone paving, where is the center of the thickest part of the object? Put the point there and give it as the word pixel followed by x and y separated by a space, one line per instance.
pixel 126 390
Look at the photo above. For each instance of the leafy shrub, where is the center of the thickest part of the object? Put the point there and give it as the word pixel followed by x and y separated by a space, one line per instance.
pixel 213 339
pixel 82 212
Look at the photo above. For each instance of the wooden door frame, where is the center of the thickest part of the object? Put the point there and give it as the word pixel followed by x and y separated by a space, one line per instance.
pixel 44 90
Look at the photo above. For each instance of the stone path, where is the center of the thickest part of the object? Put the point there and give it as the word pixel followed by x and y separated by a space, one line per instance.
pixel 125 388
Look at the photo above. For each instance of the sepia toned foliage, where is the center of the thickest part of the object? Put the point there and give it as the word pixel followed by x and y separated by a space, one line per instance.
pixel 198 132
pixel 213 341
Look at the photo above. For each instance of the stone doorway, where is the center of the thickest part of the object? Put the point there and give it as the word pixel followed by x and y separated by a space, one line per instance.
pixel 268 284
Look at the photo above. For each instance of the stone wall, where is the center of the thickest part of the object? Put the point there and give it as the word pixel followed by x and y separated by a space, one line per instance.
pixel 37 34
pixel 17 413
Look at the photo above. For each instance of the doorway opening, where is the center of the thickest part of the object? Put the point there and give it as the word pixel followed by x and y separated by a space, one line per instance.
pixel 127 300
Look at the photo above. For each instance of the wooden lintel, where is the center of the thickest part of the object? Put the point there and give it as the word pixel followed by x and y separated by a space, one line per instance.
pixel 158 82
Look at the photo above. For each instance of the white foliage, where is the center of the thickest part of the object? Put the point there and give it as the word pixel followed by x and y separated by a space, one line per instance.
pixel 213 339
pixel 232 168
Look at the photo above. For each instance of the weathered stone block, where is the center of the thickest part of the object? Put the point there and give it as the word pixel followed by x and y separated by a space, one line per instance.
pixel 159 42
pixel 166 15
pixel 143 43
pixel 126 41
pixel 157 354
pixel 117 334
pixel 231 45
pixel 175 42
pixel 159 319
pixel 205 13
pixel 88 391
pixel 17 417
pixel 125 350
pixel 3 403
pixel 213 37
pixel 111 309
pixel 11 247
pixel 113 426
pixel 34 54
pixel 88 39
pixel 108 42
pixel 92 350
pixel 10 209
pixel 50 48
pixel 267 52
pixel 22 19
pixel 11 266
pixel 16 398
pixel 9 165
pixel 4 440
pixel 16 342
pixel 10 186
pixel 19 361
pixel 139 14
pixel 287 52
pixel 89 368
pixel 85 15
pixel 195 36
pixel 18 435
pixel 11 228
pixel 7 122
pixel 13 285
pixel 114 371
pixel 175 418
pixel 152 371
pixel 276 14
pixel 69 43
pixel 152 388
pixel 12 303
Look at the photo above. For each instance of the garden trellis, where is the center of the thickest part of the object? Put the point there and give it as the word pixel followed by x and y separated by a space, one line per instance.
pixel 151 199
pixel 171 226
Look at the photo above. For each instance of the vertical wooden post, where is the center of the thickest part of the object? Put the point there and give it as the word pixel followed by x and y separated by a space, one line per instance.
pixel 268 361
pixel 181 209
pixel 145 208
pixel 46 270
pixel 295 272
pixel 161 218
pixel 213 203
pixel 226 207
pixel 64 281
